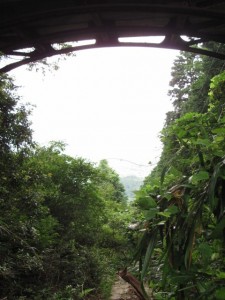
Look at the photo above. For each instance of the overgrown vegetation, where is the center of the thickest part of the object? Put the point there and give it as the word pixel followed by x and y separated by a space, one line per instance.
pixel 63 224
pixel 182 201
pixel 64 221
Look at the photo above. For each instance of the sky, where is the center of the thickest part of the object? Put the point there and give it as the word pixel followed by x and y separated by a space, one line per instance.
pixel 106 103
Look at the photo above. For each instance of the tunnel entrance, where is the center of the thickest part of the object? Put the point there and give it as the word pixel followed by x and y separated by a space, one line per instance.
pixel 31 33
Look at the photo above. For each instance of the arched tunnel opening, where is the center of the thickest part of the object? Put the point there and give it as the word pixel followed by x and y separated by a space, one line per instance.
pixel 67 226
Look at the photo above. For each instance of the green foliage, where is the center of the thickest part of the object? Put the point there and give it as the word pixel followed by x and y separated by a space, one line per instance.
pixel 112 188
pixel 63 228
pixel 191 77
pixel 181 251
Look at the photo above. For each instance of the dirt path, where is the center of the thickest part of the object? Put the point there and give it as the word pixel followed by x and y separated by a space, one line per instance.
pixel 122 290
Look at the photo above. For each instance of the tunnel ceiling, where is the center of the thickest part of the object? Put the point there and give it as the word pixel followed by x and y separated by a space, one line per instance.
pixel 30 29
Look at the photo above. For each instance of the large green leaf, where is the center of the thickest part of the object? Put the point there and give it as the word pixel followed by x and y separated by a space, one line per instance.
pixel 222 120
pixel 220 275
pixel 189 248
pixel 218 138
pixel 148 254
pixel 206 252
pixel 220 130
pixel 141 246
pixel 151 213
pixel 212 184
pixel 204 142
pixel 163 174
pixel 147 202
pixel 218 230
pixel 171 210
pixel 201 175
pixel 181 133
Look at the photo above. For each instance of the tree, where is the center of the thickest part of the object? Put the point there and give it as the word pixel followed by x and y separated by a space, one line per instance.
pixel 112 188
pixel 50 212
pixel 182 202
pixel 189 86
pixel 20 205
pixel 71 192
pixel 183 75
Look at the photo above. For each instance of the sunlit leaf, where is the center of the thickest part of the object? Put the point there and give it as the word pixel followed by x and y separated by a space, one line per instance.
pixel 215 256
pixel 220 294
pixel 220 130
pixel 222 120
pixel 201 175
pixel 218 138
pixel 161 223
pixel 181 133
pixel 165 214
pixel 205 142
pixel 219 153
pixel 220 275
pixel 85 292
pixel 171 210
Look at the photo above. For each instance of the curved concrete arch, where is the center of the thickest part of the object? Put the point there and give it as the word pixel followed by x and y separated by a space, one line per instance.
pixel 37 26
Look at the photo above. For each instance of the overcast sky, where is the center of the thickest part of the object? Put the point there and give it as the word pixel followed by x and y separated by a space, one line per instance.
pixel 104 103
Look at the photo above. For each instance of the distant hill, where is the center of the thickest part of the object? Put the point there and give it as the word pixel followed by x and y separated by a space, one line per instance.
pixel 131 184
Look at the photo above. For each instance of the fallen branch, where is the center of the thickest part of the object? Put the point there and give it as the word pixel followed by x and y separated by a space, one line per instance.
pixel 134 282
